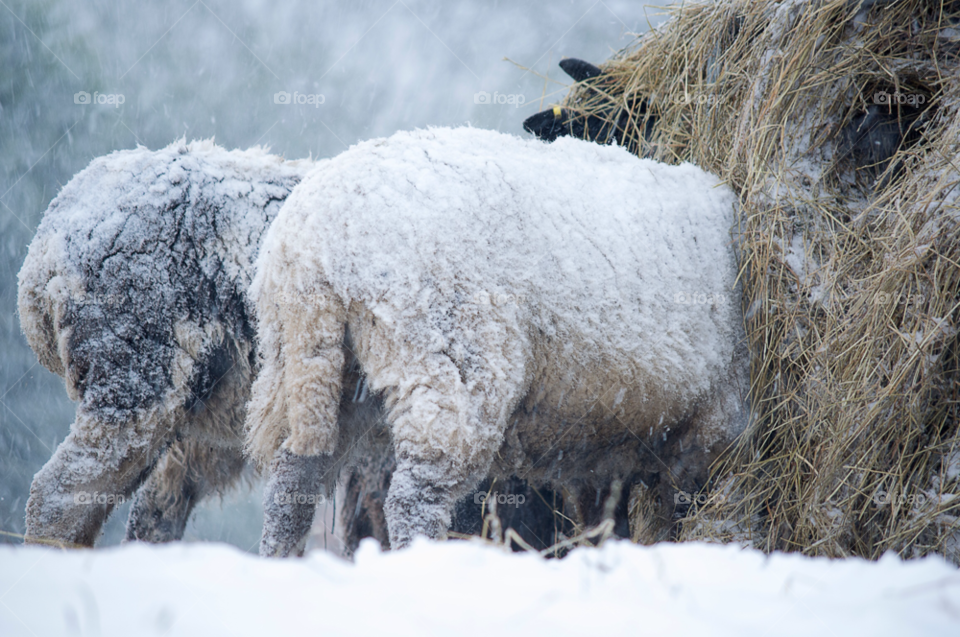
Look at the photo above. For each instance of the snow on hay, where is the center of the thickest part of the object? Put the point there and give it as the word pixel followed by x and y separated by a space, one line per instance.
pixel 851 257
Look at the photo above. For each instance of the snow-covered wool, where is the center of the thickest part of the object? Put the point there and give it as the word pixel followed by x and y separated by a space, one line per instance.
pixel 135 291
pixel 562 312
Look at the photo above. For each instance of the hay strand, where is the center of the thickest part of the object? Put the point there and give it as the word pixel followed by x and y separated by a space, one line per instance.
pixel 850 255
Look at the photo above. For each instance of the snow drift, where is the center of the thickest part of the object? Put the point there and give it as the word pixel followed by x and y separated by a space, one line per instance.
pixel 460 588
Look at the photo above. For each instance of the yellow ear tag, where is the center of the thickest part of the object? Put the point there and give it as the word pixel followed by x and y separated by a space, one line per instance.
pixel 557 112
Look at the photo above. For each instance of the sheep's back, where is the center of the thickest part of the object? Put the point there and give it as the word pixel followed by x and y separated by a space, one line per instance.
pixel 618 272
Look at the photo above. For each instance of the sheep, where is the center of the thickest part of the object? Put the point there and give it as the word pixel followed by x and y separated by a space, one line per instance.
pixel 567 313
pixel 134 290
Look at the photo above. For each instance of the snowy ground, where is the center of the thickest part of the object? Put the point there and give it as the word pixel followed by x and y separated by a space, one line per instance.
pixel 460 588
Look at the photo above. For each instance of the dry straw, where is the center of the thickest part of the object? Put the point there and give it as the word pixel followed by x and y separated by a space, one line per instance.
pixel 850 269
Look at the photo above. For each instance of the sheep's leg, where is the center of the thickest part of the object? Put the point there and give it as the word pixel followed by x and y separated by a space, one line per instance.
pixel 295 403
pixel 298 483
pixel 207 458
pixel 187 473
pixel 91 472
pixel 447 427
pixel 290 502
pixel 362 493
pixel 159 516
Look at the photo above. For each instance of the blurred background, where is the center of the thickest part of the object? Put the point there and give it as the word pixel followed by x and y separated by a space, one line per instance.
pixel 84 78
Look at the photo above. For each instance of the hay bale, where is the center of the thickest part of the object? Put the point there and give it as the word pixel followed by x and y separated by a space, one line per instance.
pixel 837 124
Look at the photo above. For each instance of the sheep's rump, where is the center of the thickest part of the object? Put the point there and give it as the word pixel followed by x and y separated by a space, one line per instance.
pixel 134 290
pixel 142 255
pixel 600 285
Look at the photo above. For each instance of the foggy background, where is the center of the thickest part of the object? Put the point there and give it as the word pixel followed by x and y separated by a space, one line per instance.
pixel 212 68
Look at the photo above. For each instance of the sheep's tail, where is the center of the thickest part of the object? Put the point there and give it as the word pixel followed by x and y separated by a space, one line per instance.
pixel 38 328
pixel 42 297
pixel 295 400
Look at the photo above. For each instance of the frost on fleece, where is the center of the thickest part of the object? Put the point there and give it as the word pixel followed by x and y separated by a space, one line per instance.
pixel 563 311
pixel 134 290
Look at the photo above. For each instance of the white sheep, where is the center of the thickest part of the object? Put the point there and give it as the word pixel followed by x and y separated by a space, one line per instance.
pixel 135 291
pixel 563 312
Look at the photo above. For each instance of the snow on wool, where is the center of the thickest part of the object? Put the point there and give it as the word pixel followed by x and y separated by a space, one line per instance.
pixel 134 290
pixel 563 312
pixel 466 588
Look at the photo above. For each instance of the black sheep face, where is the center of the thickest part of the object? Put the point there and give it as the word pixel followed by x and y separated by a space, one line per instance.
pixel 561 122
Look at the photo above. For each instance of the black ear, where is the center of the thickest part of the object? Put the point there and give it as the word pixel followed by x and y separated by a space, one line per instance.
pixel 579 70
pixel 546 125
